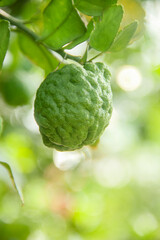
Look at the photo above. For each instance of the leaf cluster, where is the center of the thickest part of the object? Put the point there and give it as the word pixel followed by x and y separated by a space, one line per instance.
pixel 58 25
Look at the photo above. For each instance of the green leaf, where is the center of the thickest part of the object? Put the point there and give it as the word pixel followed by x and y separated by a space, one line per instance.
pixel 84 38
pixel 133 10
pixel 4 39
pixel 37 53
pixel 9 170
pixel 93 7
pixel 106 29
pixel 62 24
pixel 123 37
pixel 6 2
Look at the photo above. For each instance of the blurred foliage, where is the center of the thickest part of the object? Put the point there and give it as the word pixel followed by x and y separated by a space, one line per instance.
pixel 1 125
pixel 111 192
pixel 6 2
pixel 13 90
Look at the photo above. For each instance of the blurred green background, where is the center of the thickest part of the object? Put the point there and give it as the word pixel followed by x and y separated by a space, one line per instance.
pixel 106 192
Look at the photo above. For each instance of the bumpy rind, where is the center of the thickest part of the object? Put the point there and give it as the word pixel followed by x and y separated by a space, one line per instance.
pixel 73 106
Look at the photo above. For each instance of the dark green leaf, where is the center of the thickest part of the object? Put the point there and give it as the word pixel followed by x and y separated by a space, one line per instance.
pixel 83 38
pixel 62 24
pixel 93 7
pixel 124 37
pixel 9 170
pixel 6 2
pixel 106 29
pixel 37 53
pixel 4 39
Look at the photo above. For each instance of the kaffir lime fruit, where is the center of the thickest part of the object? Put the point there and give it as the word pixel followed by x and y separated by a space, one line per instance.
pixel 14 91
pixel 73 106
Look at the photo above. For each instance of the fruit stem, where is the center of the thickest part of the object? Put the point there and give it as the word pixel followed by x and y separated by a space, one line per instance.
pixel 19 24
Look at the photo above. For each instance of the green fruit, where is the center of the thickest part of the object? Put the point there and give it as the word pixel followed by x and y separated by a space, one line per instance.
pixel 73 106
pixel 13 90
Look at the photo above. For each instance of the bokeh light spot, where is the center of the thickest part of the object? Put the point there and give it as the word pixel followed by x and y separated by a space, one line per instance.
pixel 129 78
pixel 145 223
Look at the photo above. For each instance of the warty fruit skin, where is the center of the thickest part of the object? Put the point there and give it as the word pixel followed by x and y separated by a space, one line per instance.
pixel 73 106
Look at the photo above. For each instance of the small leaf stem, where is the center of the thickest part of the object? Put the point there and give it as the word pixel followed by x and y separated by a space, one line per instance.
pixel 98 55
